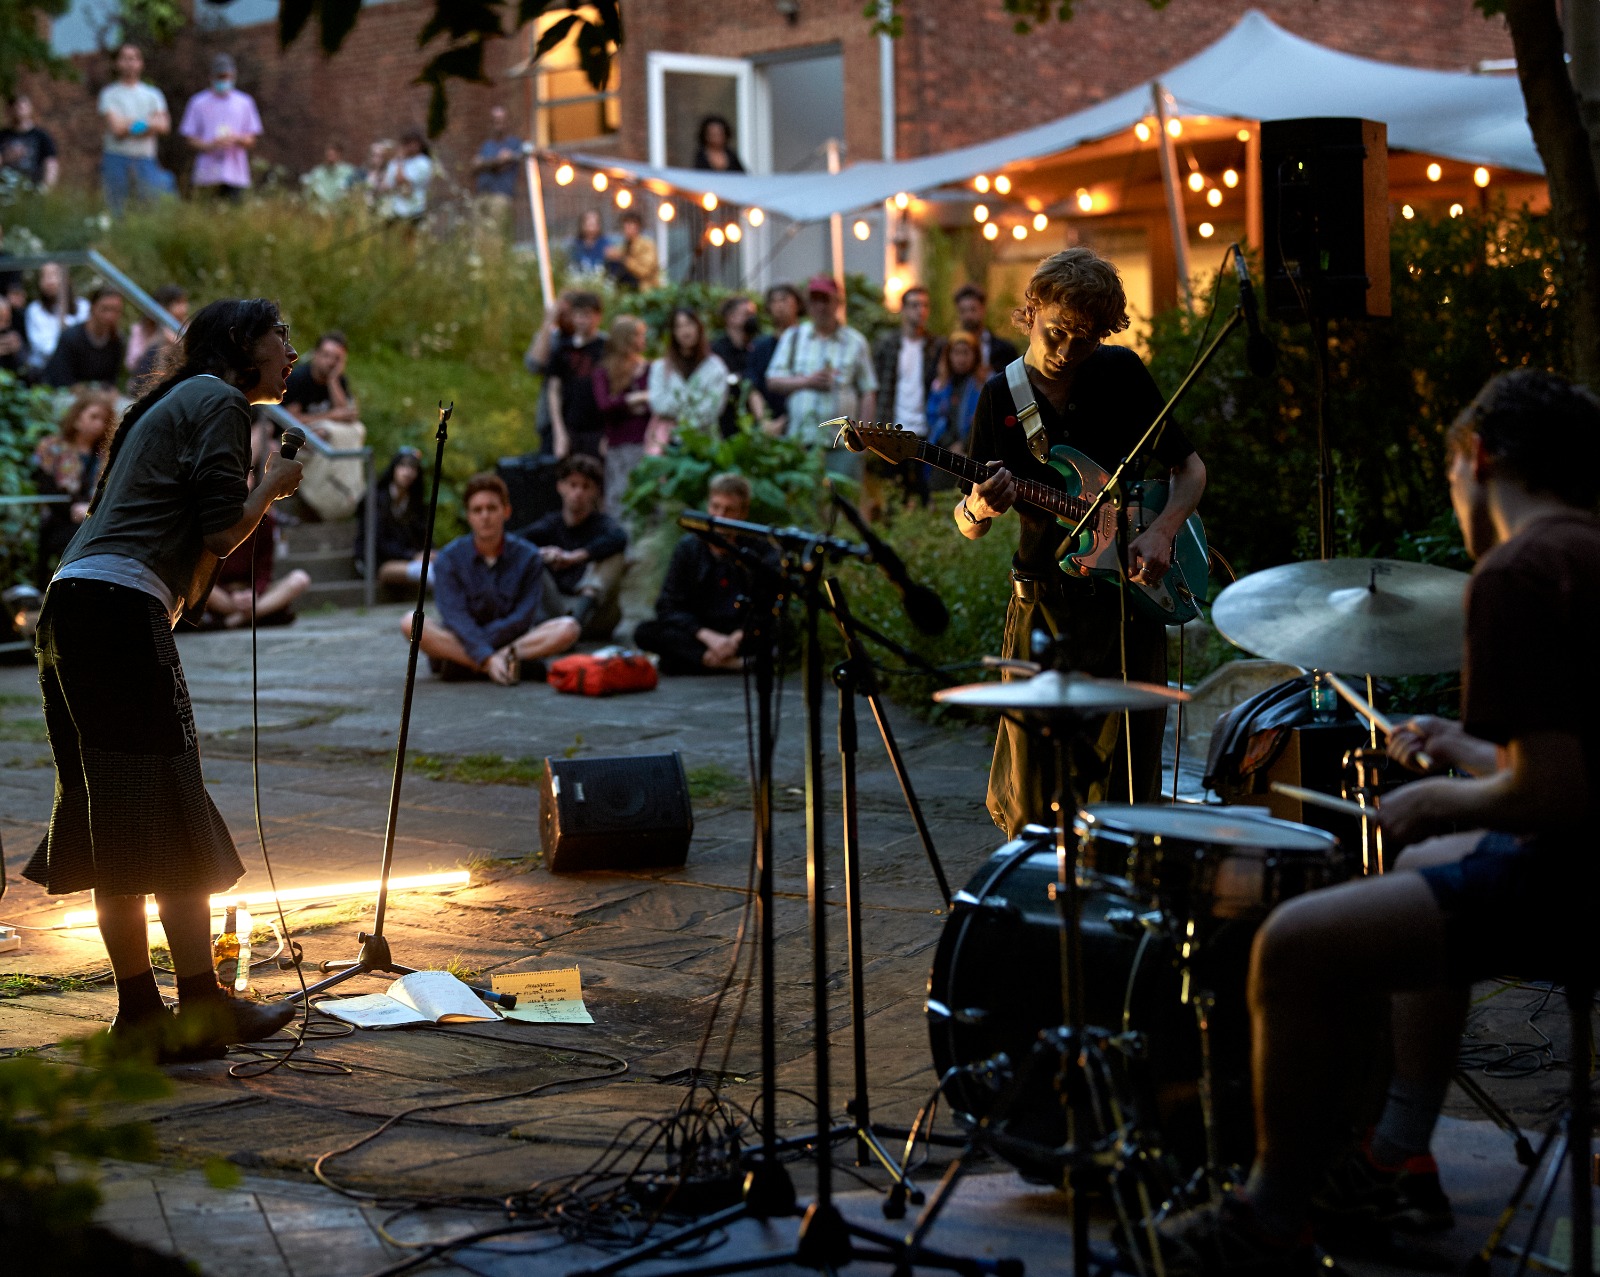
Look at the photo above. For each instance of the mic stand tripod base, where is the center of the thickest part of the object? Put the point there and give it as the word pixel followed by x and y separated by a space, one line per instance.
pixel 373 957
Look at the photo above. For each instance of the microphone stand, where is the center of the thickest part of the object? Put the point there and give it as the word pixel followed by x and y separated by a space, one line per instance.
pixel 374 955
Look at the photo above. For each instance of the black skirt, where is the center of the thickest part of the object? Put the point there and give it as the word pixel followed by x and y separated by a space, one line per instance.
pixel 131 814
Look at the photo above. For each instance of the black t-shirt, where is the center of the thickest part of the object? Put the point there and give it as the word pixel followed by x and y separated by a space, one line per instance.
pixel 1533 608
pixel 1112 402
pixel 311 396
pixel 573 367
pixel 26 150
pixel 78 360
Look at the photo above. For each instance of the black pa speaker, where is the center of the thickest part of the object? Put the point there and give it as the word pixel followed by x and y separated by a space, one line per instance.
pixel 531 480
pixel 615 813
pixel 1325 217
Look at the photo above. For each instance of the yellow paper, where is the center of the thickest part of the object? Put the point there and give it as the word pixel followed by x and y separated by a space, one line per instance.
pixel 545 997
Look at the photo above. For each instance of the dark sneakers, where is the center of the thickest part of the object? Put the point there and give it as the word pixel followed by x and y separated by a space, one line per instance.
pixel 1361 1196
pixel 156 1038
pixel 1225 1239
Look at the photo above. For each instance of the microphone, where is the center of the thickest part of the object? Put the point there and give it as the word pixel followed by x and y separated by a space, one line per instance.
pixel 1259 353
pixel 294 439
pixel 924 607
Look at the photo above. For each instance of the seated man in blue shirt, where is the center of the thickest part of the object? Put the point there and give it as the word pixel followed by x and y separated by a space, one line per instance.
pixel 488 588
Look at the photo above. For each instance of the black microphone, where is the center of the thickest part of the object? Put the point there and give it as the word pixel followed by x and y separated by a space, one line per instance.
pixel 1259 353
pixel 925 608
pixel 294 439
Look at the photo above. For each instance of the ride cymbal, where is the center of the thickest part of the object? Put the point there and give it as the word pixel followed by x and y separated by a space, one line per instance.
pixel 1056 693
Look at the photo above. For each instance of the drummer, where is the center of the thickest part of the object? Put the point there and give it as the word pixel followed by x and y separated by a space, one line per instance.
pixel 1099 399
pixel 1510 898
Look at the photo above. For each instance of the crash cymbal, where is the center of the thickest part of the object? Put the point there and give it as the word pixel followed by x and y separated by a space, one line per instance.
pixel 1055 693
pixel 1351 616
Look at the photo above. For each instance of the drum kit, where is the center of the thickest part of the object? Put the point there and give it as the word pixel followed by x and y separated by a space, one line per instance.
pixel 1086 1003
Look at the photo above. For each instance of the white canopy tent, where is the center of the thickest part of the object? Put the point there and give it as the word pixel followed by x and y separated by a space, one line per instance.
pixel 1258 71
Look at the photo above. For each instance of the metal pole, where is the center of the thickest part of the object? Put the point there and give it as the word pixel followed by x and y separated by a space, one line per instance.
pixel 541 233
pixel 1174 189
pixel 836 229
pixel 369 534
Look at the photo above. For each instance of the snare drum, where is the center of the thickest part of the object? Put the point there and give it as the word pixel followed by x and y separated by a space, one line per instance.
pixel 1205 862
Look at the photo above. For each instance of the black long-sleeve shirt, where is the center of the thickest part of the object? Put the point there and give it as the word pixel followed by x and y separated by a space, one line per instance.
pixel 701 589
pixel 599 534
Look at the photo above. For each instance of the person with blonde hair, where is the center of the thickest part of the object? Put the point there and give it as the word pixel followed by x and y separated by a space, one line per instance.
pixel 1100 399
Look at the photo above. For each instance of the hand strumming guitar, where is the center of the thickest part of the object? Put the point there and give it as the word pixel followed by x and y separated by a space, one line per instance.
pixel 994 496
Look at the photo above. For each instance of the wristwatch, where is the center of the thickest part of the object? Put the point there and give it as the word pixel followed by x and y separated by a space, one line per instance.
pixel 972 518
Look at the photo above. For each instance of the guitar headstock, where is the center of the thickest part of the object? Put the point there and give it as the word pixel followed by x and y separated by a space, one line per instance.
pixel 891 442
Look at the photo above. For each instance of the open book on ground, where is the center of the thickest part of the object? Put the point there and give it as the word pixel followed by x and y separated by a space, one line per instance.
pixel 423 997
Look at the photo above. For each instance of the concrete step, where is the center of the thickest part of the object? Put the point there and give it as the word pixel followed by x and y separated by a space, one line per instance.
pixel 323 594
pixel 321 565
pixel 308 535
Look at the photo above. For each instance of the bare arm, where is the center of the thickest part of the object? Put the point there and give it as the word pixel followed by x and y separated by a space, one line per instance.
pixel 1446 744
pixel 52 172
pixel 558 420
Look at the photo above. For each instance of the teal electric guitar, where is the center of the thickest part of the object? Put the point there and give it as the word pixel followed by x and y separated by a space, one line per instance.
pixel 1175 599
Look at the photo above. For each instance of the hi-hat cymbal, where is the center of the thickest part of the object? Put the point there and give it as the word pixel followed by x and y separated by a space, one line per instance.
pixel 1351 616
pixel 1056 693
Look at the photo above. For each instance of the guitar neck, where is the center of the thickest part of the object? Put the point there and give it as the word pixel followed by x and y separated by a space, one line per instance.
pixel 1042 495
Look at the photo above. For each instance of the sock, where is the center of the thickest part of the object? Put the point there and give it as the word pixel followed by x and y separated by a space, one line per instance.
pixel 197 988
pixel 1405 1130
pixel 138 998
pixel 1280 1207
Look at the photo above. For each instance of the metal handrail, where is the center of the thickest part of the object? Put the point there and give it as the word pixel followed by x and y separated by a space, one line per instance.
pixel 155 310
pixel 55 498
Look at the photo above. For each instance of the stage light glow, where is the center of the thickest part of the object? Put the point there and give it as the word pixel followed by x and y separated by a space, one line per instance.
pixel 980 213
pixel 1002 185
pixel 1197 181
pixel 300 895
pixel 734 232
pixel 1040 221
pixel 902 201
pixel 666 212
pixel 601 181
pixel 624 197
pixel 1019 231
pixel 564 175
pixel 1407 212
pixel 1456 210
pixel 1480 176
pixel 1085 201
pixel 1206 229
pixel 991 231
pixel 708 201
pixel 1435 172
pixel 981 184
pixel 861 230
pixel 1174 127
pixel 1214 196
pixel 1141 130
pixel 717 238
pixel 1230 177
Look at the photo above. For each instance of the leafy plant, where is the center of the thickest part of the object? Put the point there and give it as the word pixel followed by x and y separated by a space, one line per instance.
pixel 785 476
pixel 25 417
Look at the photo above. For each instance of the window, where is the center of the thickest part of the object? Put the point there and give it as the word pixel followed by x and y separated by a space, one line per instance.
pixel 567 107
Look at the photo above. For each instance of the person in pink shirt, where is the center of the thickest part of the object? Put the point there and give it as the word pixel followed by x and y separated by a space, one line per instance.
pixel 222 124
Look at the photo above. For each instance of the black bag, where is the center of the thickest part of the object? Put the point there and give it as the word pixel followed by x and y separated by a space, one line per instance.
pixel 1249 737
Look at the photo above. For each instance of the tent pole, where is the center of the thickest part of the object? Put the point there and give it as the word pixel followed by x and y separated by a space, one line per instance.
pixel 836 228
pixel 541 232
pixel 1254 235
pixel 1174 187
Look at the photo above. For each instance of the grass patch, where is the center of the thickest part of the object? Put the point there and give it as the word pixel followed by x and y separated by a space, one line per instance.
pixel 462 970
pixel 19 984
pixel 480 769
pixel 21 718
pixel 713 785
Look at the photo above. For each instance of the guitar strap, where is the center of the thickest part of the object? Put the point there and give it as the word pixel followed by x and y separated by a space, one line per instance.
pixel 1027 409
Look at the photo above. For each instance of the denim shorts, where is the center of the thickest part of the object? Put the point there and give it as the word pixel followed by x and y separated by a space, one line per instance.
pixel 1518 906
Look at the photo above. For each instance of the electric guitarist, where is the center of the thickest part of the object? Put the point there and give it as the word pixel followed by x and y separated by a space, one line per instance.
pixel 1098 399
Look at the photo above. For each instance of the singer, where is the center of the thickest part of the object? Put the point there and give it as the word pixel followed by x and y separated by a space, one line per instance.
pixel 1099 399
pixel 132 816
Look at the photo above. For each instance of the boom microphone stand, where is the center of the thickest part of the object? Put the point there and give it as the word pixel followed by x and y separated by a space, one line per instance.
pixel 374 955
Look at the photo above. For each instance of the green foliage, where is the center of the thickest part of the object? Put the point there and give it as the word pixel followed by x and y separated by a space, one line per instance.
pixel 1471 296
pixel 25 47
pixel 480 769
pixel 864 308
pixel 656 306
pixel 785 476
pixel 25 417
pixel 49 1111
pixel 150 21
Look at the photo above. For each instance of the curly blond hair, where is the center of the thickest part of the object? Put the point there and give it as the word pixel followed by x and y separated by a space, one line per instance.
pixel 1081 280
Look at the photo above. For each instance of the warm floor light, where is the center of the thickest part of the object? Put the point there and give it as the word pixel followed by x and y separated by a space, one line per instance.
pixel 299 895
pixel 564 175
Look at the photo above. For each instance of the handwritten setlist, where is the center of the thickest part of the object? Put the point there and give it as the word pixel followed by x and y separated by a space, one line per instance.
pixel 545 997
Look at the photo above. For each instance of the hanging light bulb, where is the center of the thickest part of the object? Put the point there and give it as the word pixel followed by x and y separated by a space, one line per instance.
pixel 1407 212
pixel 601 181
pixel 666 212
pixel 1197 181
pixel 902 201
pixel 1085 200
pixel 564 175
pixel 1141 130
pixel 1040 221
pixel 716 237
pixel 1214 196
pixel 1002 185
pixel 1174 127
pixel 981 184
pixel 734 232
pixel 708 201
pixel 991 231
pixel 1019 231
pixel 1456 210
pixel 1230 177
pixel 754 216
pixel 624 197
pixel 981 213
pixel 1435 172
pixel 861 230
pixel 1207 230
pixel 1480 176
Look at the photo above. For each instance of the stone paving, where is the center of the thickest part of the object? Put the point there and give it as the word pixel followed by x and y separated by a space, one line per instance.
pixel 653 949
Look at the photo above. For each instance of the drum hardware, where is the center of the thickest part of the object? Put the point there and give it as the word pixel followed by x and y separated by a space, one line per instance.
pixel 1363 775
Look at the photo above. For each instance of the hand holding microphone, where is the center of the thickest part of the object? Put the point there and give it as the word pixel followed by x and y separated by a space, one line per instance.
pixel 282 472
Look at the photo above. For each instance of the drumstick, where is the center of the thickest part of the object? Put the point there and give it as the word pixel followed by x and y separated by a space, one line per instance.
pixel 1316 798
pixel 1359 703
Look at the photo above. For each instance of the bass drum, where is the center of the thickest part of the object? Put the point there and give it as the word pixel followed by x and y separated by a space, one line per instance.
pixel 996 984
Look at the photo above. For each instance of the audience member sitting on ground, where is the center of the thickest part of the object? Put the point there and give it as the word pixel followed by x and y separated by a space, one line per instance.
pixel 90 353
pixel 402 521
pixel 147 339
pixel 488 589
pixel 698 627
pixel 229 605
pixel 67 463
pixel 320 397
pixel 582 550
pixel 622 397
pixel 688 384
pixel 48 314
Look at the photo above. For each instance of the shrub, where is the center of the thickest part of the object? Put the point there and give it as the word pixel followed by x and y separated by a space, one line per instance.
pixel 25 417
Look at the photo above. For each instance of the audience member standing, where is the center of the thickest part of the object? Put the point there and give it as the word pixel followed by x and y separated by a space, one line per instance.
pixel 406 179
pixel 715 150
pixel 688 384
pixel 972 305
pixel 552 335
pixel 740 325
pixel 634 262
pixel 48 314
pixel 222 125
pixel 569 378
pixel 589 247
pixel 905 363
pixel 824 367
pixel 26 149
pixel 952 401
pixel 90 353
pixel 622 397
pixel 67 464
pixel 332 180
pixel 499 159
pixel 135 115
pixel 784 305
pixel 147 339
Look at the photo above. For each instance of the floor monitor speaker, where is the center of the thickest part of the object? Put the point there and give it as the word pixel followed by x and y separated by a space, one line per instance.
pixel 615 813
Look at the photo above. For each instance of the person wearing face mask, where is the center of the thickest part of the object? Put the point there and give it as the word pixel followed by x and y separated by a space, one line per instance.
pixel 222 125
pixel 1098 399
